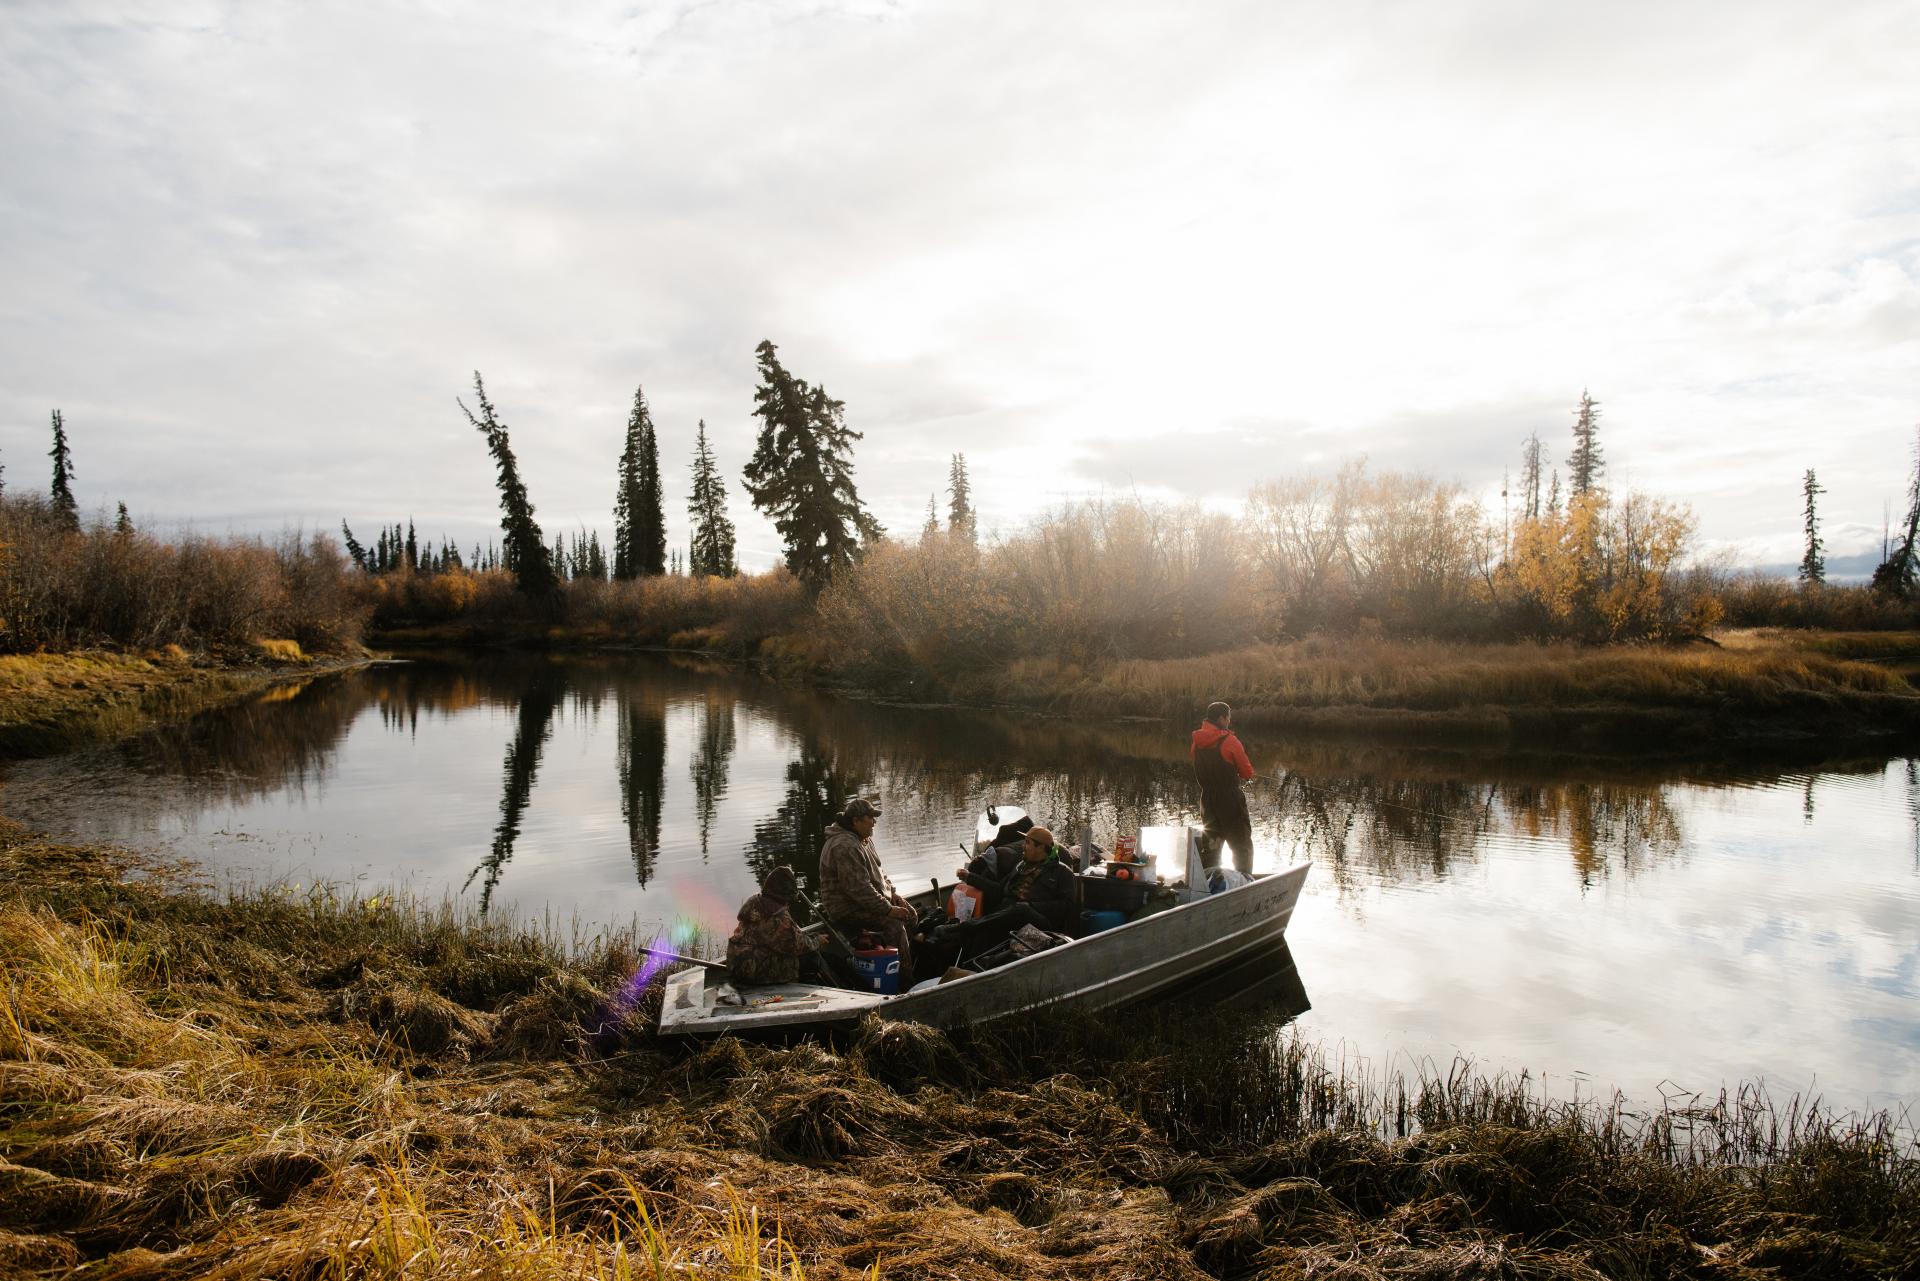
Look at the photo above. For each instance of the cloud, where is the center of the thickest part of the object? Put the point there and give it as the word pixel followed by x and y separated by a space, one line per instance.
pixel 256 251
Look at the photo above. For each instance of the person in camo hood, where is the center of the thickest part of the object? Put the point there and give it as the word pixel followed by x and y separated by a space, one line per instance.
pixel 854 893
pixel 767 946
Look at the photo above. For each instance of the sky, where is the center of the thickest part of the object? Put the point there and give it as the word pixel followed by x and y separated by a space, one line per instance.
pixel 254 252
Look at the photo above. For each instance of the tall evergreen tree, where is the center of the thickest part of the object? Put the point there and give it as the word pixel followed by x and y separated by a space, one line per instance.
pixel 1585 464
pixel 960 518
pixel 64 507
pixel 1813 565
pixel 122 523
pixel 413 548
pixel 801 474
pixel 526 546
pixel 711 551
pixel 354 549
pixel 931 529
pixel 639 519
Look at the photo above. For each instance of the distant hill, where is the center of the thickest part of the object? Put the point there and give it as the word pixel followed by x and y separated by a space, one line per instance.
pixel 1841 570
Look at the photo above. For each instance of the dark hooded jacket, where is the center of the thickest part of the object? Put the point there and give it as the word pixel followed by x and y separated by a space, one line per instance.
pixel 1048 887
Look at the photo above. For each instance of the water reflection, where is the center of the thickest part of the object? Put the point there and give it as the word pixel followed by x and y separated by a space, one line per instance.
pixel 817 792
pixel 1634 921
pixel 1367 816
pixel 544 689
pixel 712 755
pixel 641 748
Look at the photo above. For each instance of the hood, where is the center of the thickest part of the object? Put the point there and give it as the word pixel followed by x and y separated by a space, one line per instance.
pixel 1209 734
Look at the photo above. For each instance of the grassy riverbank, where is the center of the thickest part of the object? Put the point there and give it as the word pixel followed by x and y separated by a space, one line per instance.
pixel 52 702
pixel 1755 687
pixel 294 1084
pixel 1751 685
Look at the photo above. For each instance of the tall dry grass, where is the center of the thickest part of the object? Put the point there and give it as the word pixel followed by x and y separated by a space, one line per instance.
pixel 1755 601
pixel 63 590
pixel 729 615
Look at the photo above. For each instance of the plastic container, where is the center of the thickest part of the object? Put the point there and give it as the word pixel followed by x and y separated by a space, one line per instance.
pixel 879 969
pixel 1094 922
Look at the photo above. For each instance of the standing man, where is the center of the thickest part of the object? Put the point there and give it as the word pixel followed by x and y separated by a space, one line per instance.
pixel 1220 765
pixel 854 893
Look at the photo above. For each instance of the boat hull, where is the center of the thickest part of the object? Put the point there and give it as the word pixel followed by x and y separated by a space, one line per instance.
pixel 1144 959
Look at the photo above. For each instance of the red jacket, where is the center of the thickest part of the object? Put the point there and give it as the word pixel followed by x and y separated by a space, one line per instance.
pixel 1230 750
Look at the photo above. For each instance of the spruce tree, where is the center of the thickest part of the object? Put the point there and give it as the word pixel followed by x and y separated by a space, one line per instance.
pixel 960 517
pixel 413 548
pixel 526 546
pixel 354 549
pixel 801 474
pixel 64 508
pixel 711 551
pixel 1813 565
pixel 639 519
pixel 122 523
pixel 1585 464
pixel 931 529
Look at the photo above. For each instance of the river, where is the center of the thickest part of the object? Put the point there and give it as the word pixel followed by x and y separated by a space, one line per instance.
pixel 1663 930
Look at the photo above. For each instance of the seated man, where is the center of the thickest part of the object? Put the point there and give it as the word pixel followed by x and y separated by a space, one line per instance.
pixel 855 894
pixel 767 946
pixel 1038 891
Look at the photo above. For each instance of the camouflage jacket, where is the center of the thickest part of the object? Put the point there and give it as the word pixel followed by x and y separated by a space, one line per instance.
pixel 766 946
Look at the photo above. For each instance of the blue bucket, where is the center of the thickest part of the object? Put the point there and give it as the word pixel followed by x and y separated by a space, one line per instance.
pixel 1094 922
pixel 879 970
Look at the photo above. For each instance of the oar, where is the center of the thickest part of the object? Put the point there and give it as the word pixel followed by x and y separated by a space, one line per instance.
pixel 686 960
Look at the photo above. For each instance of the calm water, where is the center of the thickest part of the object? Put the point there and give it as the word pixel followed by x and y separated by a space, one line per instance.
pixel 1662 932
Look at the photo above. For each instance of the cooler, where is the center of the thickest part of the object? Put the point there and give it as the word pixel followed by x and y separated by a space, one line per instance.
pixel 878 969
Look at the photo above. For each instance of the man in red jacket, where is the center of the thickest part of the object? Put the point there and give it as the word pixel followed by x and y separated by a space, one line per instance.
pixel 1220 764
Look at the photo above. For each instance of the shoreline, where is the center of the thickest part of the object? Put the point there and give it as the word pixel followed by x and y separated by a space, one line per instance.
pixel 1723 710
pixel 51 703
pixel 306 1084
pixel 273 1083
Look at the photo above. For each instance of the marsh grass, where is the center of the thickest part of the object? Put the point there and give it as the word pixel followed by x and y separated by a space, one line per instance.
pixel 304 1084
pixel 1487 691
pixel 52 702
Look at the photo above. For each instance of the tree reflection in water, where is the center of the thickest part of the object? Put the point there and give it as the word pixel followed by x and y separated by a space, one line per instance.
pixel 712 757
pixel 1366 814
pixel 543 692
pixel 641 760
pixel 818 790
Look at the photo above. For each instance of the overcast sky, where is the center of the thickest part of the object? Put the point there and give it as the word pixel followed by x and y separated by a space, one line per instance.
pixel 254 251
